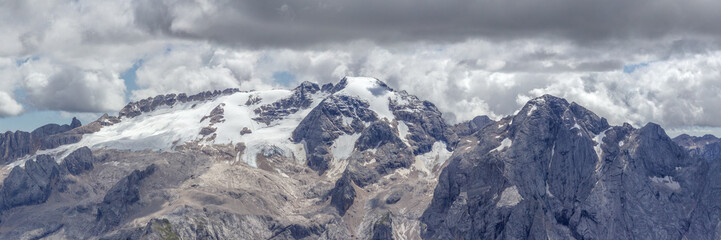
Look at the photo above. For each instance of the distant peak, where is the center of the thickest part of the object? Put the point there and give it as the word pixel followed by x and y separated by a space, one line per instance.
pixel 75 123
pixel 307 85
pixel 555 107
pixel 373 84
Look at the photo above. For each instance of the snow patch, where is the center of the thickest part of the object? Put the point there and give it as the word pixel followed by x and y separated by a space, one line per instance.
pixel 548 191
pixel 343 146
pixel 436 157
pixel 347 121
pixel 666 181
pixel 504 144
pixel 509 197
pixel 598 139
pixel 403 132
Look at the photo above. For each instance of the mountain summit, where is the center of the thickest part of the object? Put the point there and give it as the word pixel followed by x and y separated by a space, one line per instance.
pixel 352 160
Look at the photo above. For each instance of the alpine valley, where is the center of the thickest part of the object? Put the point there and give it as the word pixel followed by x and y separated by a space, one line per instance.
pixel 354 160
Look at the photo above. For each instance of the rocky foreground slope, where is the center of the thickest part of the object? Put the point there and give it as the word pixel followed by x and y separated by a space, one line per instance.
pixel 356 160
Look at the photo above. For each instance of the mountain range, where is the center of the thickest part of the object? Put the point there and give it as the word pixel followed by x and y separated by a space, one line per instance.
pixel 354 160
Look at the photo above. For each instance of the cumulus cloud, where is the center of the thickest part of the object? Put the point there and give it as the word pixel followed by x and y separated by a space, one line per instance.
pixel 629 61
pixel 8 105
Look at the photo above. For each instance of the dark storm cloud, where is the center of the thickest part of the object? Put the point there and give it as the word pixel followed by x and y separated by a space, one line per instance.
pixel 279 23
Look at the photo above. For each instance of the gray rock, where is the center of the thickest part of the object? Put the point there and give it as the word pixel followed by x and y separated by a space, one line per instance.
pixel 469 127
pixel 134 109
pixel 394 197
pixel 121 197
pixel 425 123
pixel 14 145
pixel 343 194
pixel 30 185
pixel 79 161
pixel 300 99
pixel 325 123
pixel 707 147
pixel 298 231
pixel 552 180
pixel 377 134
pixel 383 228
pixel 17 144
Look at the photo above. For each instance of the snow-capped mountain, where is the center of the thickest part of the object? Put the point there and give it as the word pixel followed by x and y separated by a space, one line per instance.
pixel 351 160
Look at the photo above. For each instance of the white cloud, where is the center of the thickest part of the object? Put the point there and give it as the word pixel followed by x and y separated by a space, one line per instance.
pixel 68 55
pixel 8 105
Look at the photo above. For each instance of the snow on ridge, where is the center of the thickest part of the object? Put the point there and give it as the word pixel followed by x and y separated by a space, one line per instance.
pixel 370 90
pixel 167 127
pixel 506 143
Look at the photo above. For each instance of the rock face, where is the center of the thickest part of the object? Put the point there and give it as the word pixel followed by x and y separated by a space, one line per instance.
pixel 343 194
pixel 707 147
pixel 470 127
pixel 425 123
pixel 383 228
pixel 301 99
pixel 121 197
pixel 134 109
pixel 17 144
pixel 556 170
pixel 30 185
pixel 334 116
pixel 79 161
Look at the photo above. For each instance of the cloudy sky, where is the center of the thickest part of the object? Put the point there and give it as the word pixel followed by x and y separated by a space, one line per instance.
pixel 629 61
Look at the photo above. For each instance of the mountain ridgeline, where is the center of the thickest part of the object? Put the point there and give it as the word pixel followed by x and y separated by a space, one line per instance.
pixel 354 160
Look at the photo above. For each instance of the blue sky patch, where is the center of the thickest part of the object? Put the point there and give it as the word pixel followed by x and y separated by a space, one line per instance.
pixel 284 78
pixel 632 67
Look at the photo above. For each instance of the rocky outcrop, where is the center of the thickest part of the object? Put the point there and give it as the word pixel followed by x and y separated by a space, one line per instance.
pixel 343 194
pixel 470 127
pixel 334 116
pixel 30 185
pixel 79 161
pixel 425 123
pixel 707 147
pixel 383 228
pixel 301 98
pixel 14 145
pixel 17 144
pixel 121 197
pixel 34 183
pixel 556 170
pixel 134 109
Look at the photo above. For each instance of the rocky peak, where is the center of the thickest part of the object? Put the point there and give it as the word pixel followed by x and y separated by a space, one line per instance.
pixel 658 153
pixel 17 144
pixel 149 104
pixel 707 147
pixel 555 109
pixel 301 98
pixel 469 127
pixel 557 170
pixel 75 123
